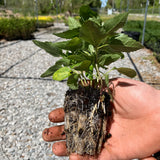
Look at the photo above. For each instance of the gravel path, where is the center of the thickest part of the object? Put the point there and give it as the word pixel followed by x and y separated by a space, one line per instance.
pixel 26 99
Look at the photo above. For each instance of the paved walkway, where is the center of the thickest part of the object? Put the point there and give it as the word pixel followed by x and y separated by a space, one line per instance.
pixel 26 99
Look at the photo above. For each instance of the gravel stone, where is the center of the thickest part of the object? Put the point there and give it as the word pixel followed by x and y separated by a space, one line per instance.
pixel 26 99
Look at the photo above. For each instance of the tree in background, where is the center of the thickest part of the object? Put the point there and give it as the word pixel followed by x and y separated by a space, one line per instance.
pixel 133 4
pixel 49 6
pixel 1 2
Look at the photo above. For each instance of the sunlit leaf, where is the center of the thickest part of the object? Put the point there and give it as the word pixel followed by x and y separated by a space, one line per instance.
pixel 51 71
pixel 123 43
pixel 73 23
pixel 62 74
pixel 115 23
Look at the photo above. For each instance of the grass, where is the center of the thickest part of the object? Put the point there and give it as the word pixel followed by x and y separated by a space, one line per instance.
pixel 133 17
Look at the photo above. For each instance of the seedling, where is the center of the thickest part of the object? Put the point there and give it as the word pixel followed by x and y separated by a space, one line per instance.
pixel 91 45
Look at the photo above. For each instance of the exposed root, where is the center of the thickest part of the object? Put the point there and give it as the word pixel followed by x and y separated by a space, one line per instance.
pixel 86 120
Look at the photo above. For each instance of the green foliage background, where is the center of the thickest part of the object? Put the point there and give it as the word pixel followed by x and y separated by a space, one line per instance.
pixel 136 6
pixel 45 7
pixel 17 28
pixel 152 34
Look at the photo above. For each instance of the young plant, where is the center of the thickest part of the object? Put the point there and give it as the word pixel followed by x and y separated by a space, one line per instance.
pixel 91 45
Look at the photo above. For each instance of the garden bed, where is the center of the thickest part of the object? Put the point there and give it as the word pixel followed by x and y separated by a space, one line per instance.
pixel 17 28
pixel 152 34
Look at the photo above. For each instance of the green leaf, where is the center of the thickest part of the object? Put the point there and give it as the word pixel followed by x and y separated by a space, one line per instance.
pixel 72 45
pixel 92 33
pixel 64 61
pixel 69 33
pixel 123 43
pixel 107 59
pixel 96 20
pixel 86 13
pixel 109 50
pixel 73 23
pixel 115 23
pixel 50 48
pixel 54 68
pixel 91 49
pixel 126 71
pixel 77 58
pixel 83 66
pixel 62 74
pixel 73 81
pixel 107 79
pixel 89 74
pixel 50 71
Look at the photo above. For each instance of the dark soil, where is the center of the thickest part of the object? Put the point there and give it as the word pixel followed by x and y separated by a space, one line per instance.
pixel 87 120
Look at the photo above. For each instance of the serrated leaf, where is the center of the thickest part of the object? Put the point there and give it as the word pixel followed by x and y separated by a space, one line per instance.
pixel 123 43
pixel 127 71
pixel 92 33
pixel 73 81
pixel 62 74
pixel 50 48
pixel 73 23
pixel 50 71
pixel 69 33
pixel 86 12
pixel 83 66
pixel 71 45
pixel 115 23
pixel 108 59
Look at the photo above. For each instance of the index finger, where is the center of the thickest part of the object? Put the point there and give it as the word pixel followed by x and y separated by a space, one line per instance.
pixel 57 115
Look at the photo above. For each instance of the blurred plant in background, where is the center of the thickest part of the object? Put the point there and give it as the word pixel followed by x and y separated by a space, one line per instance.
pixel 16 28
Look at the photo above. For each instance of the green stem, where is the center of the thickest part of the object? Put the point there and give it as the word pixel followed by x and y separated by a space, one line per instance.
pixel 97 68
pixel 105 45
pixel 83 79
pixel 99 76
pixel 82 82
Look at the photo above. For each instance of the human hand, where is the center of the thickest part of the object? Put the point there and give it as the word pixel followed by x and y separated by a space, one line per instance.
pixel 135 128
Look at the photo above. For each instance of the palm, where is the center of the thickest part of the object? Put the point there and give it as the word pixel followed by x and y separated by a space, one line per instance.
pixel 132 127
pixel 134 124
